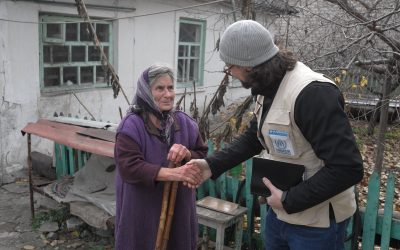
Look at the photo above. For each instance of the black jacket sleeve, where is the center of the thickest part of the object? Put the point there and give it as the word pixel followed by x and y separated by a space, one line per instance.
pixel 242 148
pixel 319 113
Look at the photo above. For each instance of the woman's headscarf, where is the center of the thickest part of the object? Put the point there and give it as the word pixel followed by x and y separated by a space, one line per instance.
pixel 144 100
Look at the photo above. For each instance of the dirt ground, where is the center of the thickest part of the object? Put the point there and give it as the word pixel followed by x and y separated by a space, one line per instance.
pixel 16 231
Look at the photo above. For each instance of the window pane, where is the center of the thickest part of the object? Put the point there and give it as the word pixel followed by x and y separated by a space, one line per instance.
pixel 47 54
pixel 60 54
pixel 94 54
pixel 183 50
pixel 102 31
pixel 189 32
pixel 53 30
pixel 181 70
pixel 70 75
pixel 195 51
pixel 101 76
pixel 71 32
pixel 86 75
pixel 84 33
pixel 78 53
pixel 194 70
pixel 51 77
pixel 68 56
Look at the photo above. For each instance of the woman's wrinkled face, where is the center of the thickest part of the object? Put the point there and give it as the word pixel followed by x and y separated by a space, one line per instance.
pixel 163 93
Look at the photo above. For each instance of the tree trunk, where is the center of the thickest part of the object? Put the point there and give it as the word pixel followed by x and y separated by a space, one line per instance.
pixel 374 116
pixel 380 149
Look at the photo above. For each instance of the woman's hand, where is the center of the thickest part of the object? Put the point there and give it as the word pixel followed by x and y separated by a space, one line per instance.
pixel 202 166
pixel 187 174
pixel 178 153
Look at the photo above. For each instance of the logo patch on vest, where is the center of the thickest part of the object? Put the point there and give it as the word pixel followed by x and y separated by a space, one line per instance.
pixel 281 142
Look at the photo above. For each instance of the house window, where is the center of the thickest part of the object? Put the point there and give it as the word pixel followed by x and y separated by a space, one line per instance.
pixel 68 58
pixel 190 52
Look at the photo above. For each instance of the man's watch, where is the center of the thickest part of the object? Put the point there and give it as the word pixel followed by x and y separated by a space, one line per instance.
pixel 283 197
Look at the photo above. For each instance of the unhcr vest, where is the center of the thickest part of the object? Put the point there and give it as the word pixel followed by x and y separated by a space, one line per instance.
pixel 284 142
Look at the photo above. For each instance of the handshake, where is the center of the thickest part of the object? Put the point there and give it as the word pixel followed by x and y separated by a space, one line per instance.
pixel 193 173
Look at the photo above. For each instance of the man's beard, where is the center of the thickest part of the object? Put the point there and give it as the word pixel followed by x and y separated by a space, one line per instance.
pixel 246 84
pixel 255 87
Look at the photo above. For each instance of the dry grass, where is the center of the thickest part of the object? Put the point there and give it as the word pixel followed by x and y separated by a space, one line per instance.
pixel 367 145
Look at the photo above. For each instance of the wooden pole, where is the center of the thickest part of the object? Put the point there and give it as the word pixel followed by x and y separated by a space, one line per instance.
pixel 163 215
pixel 171 208
pixel 166 203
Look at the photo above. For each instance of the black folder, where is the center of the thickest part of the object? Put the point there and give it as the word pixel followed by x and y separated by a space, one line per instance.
pixel 282 174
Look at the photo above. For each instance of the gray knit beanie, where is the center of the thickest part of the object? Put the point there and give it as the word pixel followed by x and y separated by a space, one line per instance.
pixel 246 43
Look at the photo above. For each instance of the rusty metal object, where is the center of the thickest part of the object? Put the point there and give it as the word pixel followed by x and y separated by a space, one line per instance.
pixel 99 134
pixel 30 176
pixel 68 135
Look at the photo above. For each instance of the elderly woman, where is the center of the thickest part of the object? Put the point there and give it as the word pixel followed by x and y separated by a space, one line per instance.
pixel 149 137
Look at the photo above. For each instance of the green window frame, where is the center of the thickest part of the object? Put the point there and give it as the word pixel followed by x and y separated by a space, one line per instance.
pixel 68 58
pixel 190 55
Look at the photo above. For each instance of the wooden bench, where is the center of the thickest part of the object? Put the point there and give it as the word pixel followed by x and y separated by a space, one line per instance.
pixel 220 215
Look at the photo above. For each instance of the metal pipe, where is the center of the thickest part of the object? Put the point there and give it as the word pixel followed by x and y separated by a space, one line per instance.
pixel 92 6
pixel 30 176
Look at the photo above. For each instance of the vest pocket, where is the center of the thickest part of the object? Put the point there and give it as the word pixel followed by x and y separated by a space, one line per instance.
pixel 278 134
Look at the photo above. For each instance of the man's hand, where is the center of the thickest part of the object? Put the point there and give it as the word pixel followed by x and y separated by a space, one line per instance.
pixel 202 165
pixel 276 194
pixel 187 174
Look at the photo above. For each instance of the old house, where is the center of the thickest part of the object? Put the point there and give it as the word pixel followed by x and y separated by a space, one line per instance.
pixel 49 64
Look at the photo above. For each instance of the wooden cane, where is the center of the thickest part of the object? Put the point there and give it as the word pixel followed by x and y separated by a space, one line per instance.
pixel 171 208
pixel 164 209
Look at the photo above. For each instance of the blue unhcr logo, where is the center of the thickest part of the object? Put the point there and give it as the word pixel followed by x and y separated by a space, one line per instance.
pixel 281 142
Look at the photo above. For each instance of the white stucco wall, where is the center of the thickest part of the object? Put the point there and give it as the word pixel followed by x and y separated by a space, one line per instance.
pixel 138 42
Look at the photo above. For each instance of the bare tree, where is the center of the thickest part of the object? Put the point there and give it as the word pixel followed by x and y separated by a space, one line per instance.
pixel 356 42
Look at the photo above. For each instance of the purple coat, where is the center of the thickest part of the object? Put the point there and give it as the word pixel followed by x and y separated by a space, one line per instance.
pixel 138 201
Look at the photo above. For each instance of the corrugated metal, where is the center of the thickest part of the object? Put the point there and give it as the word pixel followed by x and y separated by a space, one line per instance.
pixel 67 135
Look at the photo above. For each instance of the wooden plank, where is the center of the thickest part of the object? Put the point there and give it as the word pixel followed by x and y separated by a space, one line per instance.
pixel 263 215
pixel 71 161
pixel 57 156
pixel 200 191
pixel 395 227
pixel 371 212
pixel 235 189
pixel 221 182
pixel 388 212
pixel 249 204
pixel 79 154
pixel 61 160
pixel 211 183
pixel 221 186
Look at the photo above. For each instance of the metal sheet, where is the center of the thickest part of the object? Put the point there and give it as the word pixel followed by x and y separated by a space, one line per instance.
pixel 99 134
pixel 67 135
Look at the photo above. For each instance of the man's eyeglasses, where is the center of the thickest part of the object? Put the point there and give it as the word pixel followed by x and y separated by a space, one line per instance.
pixel 227 69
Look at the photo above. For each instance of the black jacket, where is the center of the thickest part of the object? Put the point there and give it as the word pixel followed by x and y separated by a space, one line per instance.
pixel 319 113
